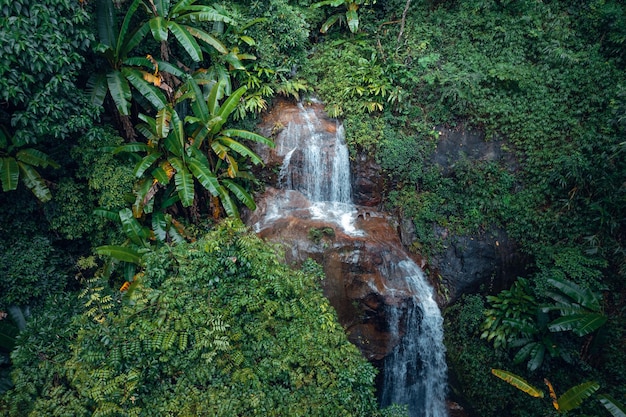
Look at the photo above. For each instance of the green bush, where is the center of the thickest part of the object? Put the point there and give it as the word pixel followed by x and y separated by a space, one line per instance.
pixel 217 327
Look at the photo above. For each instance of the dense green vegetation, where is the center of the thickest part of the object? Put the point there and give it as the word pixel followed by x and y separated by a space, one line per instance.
pixel 125 132
pixel 216 327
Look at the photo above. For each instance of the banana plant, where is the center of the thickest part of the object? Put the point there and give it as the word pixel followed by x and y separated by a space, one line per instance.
pixel 196 148
pixel 18 162
pixel 181 20
pixel 131 252
pixel 580 308
pixel 571 399
pixel 351 17
pixel 115 45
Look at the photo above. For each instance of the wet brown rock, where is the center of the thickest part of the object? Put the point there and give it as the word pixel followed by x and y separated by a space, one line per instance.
pixel 360 281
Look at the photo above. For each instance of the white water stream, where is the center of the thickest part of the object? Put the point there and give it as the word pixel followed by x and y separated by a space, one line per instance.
pixel 415 372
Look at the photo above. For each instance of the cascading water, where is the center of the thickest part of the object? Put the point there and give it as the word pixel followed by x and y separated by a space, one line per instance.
pixel 316 165
pixel 415 372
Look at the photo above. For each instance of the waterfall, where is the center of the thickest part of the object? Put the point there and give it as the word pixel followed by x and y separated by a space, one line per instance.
pixel 323 171
pixel 316 164
pixel 415 373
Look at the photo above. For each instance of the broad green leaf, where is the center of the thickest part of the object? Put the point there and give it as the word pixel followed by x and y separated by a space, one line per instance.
pixel 204 175
pixel 518 382
pixel 159 226
pixel 97 89
pixel 144 198
pixel 184 182
pixel 574 396
pixel 122 253
pixel 536 356
pixel 180 7
pixel 353 20
pixel 523 353
pixel 165 66
pixel 248 40
pixel 245 134
pixel 139 61
pixel 158 27
pixel 129 270
pixel 220 150
pixel 35 158
pixel 228 204
pixel 169 201
pixel 164 116
pixel 173 231
pixel 128 41
pixel 234 61
pixel 186 40
pixel 212 100
pixel 146 163
pixel 17 315
pixel 107 214
pixel 163 7
pixel 241 194
pixel 106 22
pixel 34 182
pixel 199 135
pixel 205 37
pixel 120 91
pixel 583 296
pixel 228 107
pixel 160 175
pixel 612 405
pixel 175 141
pixel 522 326
pixel 198 105
pixel 199 155
pixel 241 149
pixel 331 21
pixel 580 324
pixel 133 230
pixel 9 173
pixel 132 147
pixel 201 13
pixel 147 90
pixel 222 75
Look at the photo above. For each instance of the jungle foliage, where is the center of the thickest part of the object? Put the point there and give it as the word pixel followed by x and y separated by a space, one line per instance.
pixel 125 134
pixel 216 327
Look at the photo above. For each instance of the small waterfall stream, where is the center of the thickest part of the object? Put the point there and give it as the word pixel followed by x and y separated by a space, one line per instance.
pixel 415 372
pixel 316 164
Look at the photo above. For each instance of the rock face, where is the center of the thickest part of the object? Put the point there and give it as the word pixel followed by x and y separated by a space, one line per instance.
pixel 360 281
pixel 490 258
pixel 471 261
pixel 368 183
pixel 359 259
pixel 456 144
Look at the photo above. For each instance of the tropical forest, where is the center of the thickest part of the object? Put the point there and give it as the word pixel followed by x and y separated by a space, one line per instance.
pixel 373 208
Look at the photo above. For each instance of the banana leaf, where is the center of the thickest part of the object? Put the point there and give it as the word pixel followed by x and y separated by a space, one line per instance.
pixel 613 406
pixel 518 382
pixel 574 396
